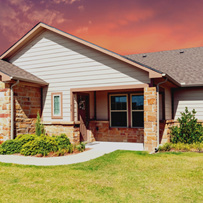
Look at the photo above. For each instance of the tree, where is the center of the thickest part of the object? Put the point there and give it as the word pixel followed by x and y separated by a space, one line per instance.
pixel 39 127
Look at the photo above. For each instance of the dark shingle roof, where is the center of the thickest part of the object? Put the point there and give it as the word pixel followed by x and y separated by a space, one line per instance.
pixel 17 73
pixel 184 67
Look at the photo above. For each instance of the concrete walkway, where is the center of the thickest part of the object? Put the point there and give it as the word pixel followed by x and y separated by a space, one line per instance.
pixel 98 149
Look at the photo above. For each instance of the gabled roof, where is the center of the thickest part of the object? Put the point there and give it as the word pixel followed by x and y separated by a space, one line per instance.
pixel 40 27
pixel 183 65
pixel 10 71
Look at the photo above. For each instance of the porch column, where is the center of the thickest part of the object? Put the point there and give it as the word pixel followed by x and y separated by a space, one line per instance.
pixel 150 119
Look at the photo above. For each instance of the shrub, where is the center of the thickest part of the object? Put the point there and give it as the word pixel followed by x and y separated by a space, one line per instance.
pixel 189 130
pixel 165 147
pixel 83 144
pixel 39 128
pixel 40 145
pixel 15 146
pixel 198 146
pixel 44 144
pixel 9 147
pixel 33 144
pixel 181 147
pixel 71 148
pixel 81 147
pixel 62 141
pixel 61 152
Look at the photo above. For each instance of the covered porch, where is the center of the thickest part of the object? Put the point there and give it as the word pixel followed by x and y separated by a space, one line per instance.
pixel 125 114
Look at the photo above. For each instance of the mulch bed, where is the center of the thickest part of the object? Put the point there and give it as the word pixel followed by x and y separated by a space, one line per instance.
pixel 53 154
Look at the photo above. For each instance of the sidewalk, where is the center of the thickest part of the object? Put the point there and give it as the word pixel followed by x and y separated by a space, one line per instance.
pixel 98 149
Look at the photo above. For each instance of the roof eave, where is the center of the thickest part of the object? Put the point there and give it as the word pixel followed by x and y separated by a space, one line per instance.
pixel 41 26
pixel 31 81
pixel 191 85
pixel 171 79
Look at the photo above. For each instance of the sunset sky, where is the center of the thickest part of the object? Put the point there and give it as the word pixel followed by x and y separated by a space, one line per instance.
pixel 122 26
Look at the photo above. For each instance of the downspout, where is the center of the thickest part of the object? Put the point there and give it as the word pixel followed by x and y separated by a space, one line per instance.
pixel 12 110
pixel 157 92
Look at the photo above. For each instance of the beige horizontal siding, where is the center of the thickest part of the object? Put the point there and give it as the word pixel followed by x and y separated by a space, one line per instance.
pixel 66 64
pixel 160 107
pixel 191 98
pixel 102 105
pixel 168 103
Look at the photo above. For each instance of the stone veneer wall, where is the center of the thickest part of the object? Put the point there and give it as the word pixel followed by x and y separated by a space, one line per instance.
pixel 27 102
pixel 150 119
pixel 100 131
pixel 5 111
pixel 73 133
pixel 164 130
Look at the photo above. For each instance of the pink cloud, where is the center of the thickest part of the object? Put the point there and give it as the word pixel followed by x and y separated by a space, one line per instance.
pixel 82 30
pixel 64 1
pixel 47 16
pixel 81 8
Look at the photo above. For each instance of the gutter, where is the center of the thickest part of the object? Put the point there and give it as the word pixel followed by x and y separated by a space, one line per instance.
pixel 157 92
pixel 191 85
pixel 171 79
pixel 12 110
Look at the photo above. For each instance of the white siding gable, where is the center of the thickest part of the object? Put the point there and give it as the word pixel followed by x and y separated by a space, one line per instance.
pixel 66 64
pixel 191 98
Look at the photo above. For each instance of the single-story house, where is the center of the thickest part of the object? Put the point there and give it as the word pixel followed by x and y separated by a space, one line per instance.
pixel 93 94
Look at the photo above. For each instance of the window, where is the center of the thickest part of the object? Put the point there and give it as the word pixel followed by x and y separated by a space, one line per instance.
pixel 118 111
pixel 57 111
pixel 137 110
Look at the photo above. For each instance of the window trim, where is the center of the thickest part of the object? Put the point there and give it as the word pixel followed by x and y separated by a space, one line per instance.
pixel 131 109
pixel 110 95
pixel 61 105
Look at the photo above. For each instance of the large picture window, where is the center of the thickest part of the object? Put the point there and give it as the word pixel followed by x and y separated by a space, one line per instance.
pixel 137 110
pixel 118 110
pixel 57 111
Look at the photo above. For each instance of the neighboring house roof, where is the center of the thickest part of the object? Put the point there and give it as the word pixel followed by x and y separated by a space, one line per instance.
pixel 40 27
pixel 183 65
pixel 14 72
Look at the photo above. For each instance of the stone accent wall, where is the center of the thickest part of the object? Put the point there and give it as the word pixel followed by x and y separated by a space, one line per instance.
pixel 150 119
pixel 73 133
pixel 100 131
pixel 164 129
pixel 27 102
pixel 5 111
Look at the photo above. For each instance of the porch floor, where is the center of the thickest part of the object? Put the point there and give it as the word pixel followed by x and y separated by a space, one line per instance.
pixel 108 147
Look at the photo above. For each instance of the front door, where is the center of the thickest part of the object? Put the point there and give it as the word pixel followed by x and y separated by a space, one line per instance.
pixel 83 115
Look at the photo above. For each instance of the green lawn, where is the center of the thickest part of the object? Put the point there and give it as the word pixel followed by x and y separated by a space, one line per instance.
pixel 122 176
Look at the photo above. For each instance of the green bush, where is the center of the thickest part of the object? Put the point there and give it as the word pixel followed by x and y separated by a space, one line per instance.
pixel 32 144
pixel 9 147
pixel 181 147
pixel 15 146
pixel 70 148
pixel 40 145
pixel 189 130
pixel 62 141
pixel 165 147
pixel 83 145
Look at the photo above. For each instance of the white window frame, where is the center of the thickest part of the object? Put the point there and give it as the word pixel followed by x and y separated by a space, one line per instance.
pixel 131 109
pixel 118 110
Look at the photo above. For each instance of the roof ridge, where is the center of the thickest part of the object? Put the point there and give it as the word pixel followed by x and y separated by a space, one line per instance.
pixel 165 51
